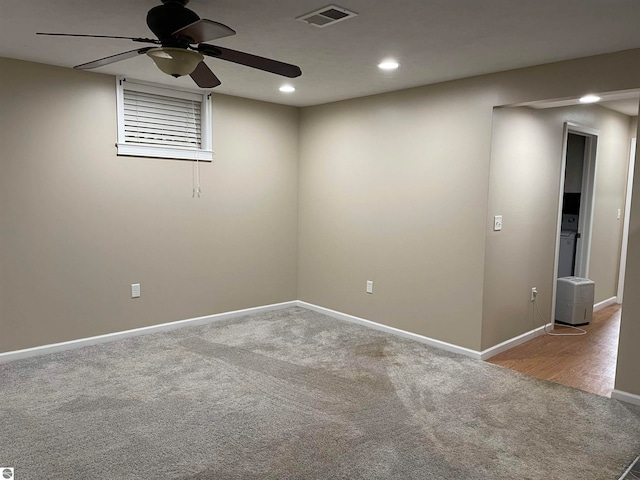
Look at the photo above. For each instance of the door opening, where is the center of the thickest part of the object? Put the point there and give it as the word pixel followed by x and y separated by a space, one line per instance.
pixel 571 200
pixel 575 203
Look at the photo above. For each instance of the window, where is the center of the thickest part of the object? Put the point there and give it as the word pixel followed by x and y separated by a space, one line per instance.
pixel 159 121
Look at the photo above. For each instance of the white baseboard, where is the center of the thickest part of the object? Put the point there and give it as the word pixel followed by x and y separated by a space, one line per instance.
pixel 396 331
pixel 83 342
pixel 512 342
pixel 483 355
pixel 626 397
pixel 110 337
pixel 605 303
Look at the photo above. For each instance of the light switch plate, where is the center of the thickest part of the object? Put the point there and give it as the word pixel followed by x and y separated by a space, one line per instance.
pixel 135 290
pixel 369 286
pixel 497 223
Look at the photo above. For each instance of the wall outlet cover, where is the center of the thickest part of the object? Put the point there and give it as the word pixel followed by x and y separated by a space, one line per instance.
pixel 369 286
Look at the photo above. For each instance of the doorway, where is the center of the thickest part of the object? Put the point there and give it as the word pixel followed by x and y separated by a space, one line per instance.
pixel 529 169
pixel 575 203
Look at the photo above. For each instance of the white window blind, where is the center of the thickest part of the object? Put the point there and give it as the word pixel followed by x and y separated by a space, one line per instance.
pixel 162 122
pixel 159 120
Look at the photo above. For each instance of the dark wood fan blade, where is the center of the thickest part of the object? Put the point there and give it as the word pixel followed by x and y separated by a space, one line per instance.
pixel 254 61
pixel 135 39
pixel 204 30
pixel 112 59
pixel 204 77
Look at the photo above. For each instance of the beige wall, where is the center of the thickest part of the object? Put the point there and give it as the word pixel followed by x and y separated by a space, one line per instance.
pixel 627 374
pixel 611 183
pixel 526 163
pixel 80 224
pixel 393 190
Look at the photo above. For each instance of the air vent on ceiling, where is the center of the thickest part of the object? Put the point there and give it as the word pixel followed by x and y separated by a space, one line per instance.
pixel 327 16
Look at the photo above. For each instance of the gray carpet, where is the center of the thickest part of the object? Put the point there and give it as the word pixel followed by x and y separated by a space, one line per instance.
pixel 293 394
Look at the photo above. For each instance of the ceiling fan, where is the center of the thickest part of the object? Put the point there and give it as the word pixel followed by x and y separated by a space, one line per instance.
pixel 179 49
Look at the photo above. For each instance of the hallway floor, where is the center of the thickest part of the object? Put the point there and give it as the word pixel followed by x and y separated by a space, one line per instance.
pixel 587 362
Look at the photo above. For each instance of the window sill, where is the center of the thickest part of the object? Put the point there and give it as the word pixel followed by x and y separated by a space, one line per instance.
pixel 164 152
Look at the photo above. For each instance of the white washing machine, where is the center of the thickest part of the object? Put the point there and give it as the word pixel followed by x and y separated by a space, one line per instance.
pixel 568 237
pixel 566 260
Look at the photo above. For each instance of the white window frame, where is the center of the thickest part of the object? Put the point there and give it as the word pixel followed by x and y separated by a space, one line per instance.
pixel 204 153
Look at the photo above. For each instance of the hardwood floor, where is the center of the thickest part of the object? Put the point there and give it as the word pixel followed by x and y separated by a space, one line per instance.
pixel 587 362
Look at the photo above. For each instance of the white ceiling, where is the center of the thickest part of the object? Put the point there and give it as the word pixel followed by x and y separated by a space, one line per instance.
pixel 434 40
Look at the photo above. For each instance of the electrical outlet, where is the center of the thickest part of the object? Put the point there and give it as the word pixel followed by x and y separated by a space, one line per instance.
pixel 369 286
pixel 534 294
pixel 135 290
pixel 497 223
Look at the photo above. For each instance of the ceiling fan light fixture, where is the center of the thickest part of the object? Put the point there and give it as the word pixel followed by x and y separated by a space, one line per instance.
pixel 175 61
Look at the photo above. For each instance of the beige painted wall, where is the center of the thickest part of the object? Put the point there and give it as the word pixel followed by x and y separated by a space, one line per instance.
pixel 393 190
pixel 80 224
pixel 526 163
pixel 611 183
pixel 627 371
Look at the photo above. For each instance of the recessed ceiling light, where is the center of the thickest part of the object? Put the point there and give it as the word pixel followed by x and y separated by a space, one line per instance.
pixel 388 65
pixel 287 89
pixel 590 99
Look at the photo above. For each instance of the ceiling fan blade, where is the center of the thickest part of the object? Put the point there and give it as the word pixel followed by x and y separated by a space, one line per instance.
pixel 135 39
pixel 204 77
pixel 112 59
pixel 254 61
pixel 204 30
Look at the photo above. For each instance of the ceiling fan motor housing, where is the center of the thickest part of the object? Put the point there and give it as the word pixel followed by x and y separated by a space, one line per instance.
pixel 168 18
